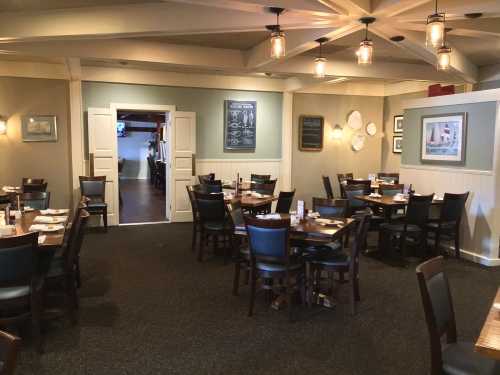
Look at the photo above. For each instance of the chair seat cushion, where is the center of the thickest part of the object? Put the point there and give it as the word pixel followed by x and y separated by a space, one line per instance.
pixel 14 292
pixel 434 225
pixel 56 267
pixel 96 205
pixel 461 359
pixel 273 267
pixel 217 225
pixel 332 259
pixel 400 227
pixel 329 247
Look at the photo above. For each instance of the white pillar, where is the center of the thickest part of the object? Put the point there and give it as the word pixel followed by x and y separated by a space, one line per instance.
pixel 286 142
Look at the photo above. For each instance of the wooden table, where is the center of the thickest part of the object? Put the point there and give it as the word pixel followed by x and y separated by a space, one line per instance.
pixel 488 342
pixel 388 204
pixel 248 201
pixel 244 186
pixel 52 239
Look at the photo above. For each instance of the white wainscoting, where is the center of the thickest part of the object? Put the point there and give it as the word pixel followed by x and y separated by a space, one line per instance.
pixel 480 238
pixel 227 169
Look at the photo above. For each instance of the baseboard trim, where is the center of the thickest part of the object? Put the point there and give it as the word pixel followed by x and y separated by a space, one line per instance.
pixel 243 160
pixel 481 259
pixel 447 169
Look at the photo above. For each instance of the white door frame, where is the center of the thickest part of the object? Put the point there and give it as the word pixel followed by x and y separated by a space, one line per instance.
pixel 115 107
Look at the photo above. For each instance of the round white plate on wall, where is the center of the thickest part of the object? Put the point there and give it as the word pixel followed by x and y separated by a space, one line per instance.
pixel 358 142
pixel 354 120
pixel 371 128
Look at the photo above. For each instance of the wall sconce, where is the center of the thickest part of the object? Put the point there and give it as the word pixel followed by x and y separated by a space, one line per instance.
pixel 337 132
pixel 3 126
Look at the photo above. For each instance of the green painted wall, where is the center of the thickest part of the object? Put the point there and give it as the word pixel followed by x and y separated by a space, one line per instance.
pixel 480 133
pixel 209 107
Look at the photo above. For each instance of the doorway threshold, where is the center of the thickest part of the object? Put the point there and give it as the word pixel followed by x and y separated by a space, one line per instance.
pixel 146 223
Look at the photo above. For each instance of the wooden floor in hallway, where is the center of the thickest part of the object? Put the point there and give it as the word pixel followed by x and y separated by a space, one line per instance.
pixel 141 202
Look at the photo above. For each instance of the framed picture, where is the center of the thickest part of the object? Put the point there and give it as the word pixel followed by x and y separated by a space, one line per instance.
pixel 398 124
pixel 397 144
pixel 444 138
pixel 39 129
pixel 311 133
pixel 240 125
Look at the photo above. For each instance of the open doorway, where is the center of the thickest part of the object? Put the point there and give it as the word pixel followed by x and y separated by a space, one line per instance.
pixel 143 157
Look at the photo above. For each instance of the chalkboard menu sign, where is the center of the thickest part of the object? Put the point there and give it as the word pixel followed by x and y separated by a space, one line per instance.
pixel 311 133
pixel 240 119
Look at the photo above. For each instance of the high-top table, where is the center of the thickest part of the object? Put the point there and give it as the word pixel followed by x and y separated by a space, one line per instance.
pixel 488 342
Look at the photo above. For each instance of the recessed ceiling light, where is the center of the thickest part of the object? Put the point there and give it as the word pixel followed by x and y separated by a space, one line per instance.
pixel 473 15
pixel 397 38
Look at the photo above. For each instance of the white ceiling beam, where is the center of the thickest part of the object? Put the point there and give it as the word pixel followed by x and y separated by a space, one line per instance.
pixel 456 28
pixel 349 7
pixel 297 42
pixel 304 65
pixel 134 50
pixel 460 65
pixel 136 20
pixel 74 68
pixel 392 8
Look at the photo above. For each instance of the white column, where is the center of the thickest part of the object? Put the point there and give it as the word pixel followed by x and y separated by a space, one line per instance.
pixel 286 142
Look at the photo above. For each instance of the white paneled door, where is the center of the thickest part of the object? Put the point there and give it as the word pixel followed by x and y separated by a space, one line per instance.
pixel 103 152
pixel 182 159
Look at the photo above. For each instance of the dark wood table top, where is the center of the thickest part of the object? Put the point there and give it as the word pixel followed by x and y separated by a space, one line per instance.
pixel 244 186
pixel 488 342
pixel 386 200
pixel 249 201
pixel 53 239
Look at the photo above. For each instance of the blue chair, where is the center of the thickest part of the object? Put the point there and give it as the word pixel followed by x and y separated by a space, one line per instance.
pixel 36 200
pixel 94 190
pixel 21 284
pixel 355 205
pixel 239 243
pixel 213 222
pixel 214 186
pixel 270 258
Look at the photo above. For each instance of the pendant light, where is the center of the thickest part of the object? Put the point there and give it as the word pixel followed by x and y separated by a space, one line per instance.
pixel 435 29
pixel 277 40
pixel 320 61
pixel 365 51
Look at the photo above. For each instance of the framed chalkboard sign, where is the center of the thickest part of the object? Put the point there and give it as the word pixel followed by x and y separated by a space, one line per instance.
pixel 240 118
pixel 311 133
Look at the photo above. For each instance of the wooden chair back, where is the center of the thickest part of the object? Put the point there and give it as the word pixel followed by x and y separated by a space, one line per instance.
pixel 206 178
pixel 36 200
pixel 391 189
pixel 260 178
pixel 342 177
pixel 389 178
pixel 358 245
pixel 264 188
pixel 33 188
pixel 417 211
pixel 9 347
pixel 328 186
pixel 331 207
pixel 285 200
pixel 93 187
pixel 19 260
pixel 453 207
pixel 210 206
pixel 269 240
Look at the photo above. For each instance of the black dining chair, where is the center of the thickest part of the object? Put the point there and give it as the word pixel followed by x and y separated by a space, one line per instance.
pixel 214 222
pixel 9 347
pixel 328 186
pixel 260 178
pixel 206 178
pixel 264 188
pixel 239 243
pixel 153 173
pixel 36 200
pixel 196 214
pixel 456 357
pixel 412 228
pixel 331 208
pixel 285 200
pixel 94 190
pixel 390 190
pixel 342 179
pixel 213 186
pixel 356 206
pixel 63 273
pixel 388 178
pixel 33 188
pixel 447 226
pixel 270 259
pixel 21 285
pixel 338 261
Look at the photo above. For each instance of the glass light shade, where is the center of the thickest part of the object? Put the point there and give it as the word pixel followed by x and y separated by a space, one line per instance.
pixel 278 45
pixel 319 67
pixel 365 52
pixel 337 132
pixel 3 127
pixel 435 31
pixel 443 58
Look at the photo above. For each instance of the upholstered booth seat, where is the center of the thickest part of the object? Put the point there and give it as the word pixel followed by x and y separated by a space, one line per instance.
pixel 460 359
pixel 95 204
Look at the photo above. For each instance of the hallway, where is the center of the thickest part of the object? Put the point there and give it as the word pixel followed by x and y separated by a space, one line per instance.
pixel 141 202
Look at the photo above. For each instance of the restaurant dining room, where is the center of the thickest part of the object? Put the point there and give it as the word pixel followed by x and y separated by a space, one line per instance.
pixel 250 187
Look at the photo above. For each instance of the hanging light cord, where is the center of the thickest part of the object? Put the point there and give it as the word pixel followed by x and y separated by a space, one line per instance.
pixel 436 12
pixel 320 45
pixel 366 32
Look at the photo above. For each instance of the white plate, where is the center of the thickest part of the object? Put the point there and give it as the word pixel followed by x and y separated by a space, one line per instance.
pixel 46 227
pixel 355 120
pixel 358 142
pixel 371 128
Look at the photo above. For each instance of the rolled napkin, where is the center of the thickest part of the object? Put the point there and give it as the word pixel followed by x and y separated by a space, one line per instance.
pixel 269 216
pixel 46 227
pixel 375 195
pixel 313 214
pixel 50 219
pixel 52 211
pixel 41 239
pixel 10 189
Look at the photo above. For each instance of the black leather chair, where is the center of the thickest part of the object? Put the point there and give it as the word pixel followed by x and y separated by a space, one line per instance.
pixel 342 179
pixel 355 205
pixel 21 283
pixel 239 243
pixel 270 258
pixel 214 222
pixel 328 186
pixel 9 347
pixel 206 178
pixel 212 186
pixel 33 185
pixel 285 200
pixel 94 190
pixel 36 200
pixel 447 226
pixel 260 178
pixel 457 357
pixel 196 214
pixel 64 270
pixel 412 229
pixel 388 178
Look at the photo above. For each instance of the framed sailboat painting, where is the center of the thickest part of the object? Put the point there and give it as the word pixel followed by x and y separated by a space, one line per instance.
pixel 444 138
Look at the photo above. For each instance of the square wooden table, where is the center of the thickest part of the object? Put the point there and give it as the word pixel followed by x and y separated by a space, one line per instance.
pixel 52 239
pixel 250 202
pixel 488 342
pixel 388 204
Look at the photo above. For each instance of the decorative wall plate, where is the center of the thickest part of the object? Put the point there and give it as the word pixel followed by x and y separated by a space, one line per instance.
pixel 371 128
pixel 354 120
pixel 358 142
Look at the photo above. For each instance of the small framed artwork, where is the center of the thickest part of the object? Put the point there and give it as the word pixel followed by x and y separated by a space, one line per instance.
pixel 39 129
pixel 397 144
pixel 311 133
pixel 398 124
pixel 444 138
